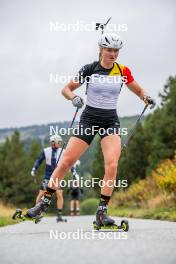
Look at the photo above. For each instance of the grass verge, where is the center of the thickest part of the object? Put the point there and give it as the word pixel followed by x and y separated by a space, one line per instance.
pixel 151 213
pixel 6 213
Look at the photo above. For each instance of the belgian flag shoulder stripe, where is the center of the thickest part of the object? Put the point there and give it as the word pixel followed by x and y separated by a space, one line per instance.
pixel 117 70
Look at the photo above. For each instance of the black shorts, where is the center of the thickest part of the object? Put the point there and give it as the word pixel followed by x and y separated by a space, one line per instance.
pixel 75 195
pixel 103 122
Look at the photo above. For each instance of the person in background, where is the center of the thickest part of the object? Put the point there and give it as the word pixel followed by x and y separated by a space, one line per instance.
pixel 50 156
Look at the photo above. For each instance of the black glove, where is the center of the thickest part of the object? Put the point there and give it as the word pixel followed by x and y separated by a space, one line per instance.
pixel 149 101
pixel 77 102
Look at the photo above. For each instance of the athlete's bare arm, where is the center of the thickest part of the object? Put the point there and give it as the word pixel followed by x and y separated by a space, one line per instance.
pixel 67 91
pixel 137 89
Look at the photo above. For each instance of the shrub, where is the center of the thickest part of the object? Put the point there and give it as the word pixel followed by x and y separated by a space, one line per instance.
pixel 158 189
pixel 165 176
pixel 89 206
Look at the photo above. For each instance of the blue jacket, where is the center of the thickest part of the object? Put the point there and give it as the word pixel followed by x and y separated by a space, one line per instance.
pixel 50 155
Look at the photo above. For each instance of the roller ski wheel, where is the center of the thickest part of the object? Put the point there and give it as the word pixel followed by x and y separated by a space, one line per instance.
pixel 125 225
pixel 60 219
pixel 18 215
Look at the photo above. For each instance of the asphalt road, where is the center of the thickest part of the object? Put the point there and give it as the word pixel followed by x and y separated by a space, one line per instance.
pixel 148 241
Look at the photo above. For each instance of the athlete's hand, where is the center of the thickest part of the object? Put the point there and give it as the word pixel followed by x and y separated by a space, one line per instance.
pixel 77 102
pixel 33 173
pixel 149 101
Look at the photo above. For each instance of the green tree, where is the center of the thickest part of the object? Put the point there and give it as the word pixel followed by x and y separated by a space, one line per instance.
pixel 160 127
pixel 16 185
pixel 14 169
pixel 133 160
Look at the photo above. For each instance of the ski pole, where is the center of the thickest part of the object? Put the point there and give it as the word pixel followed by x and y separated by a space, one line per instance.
pixel 102 26
pixel 73 120
pixel 131 132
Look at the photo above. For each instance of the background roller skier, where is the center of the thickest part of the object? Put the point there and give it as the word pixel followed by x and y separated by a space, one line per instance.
pixel 50 155
pixel 75 194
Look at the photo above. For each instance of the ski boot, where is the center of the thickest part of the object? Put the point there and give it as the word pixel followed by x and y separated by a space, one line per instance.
pixel 102 219
pixel 104 222
pixel 36 211
pixel 60 219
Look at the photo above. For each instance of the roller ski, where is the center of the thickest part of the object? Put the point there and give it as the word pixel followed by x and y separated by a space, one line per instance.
pixel 35 213
pixel 18 215
pixel 104 222
pixel 60 219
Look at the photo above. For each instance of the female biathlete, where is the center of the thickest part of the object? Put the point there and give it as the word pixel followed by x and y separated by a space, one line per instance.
pixel 104 82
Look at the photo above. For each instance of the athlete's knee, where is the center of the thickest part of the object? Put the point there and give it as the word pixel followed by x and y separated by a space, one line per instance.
pixel 111 166
pixel 67 163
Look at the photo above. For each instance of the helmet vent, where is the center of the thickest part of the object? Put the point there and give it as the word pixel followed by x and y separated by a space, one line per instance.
pixel 107 40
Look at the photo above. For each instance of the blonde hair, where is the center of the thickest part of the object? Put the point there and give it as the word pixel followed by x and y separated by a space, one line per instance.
pixel 100 55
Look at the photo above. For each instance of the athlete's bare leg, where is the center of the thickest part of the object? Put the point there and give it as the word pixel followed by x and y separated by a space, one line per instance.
pixel 77 207
pixel 111 148
pixel 39 196
pixel 60 200
pixel 72 207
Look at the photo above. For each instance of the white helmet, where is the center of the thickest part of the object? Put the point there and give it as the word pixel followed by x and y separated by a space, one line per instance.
pixel 110 40
pixel 55 138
